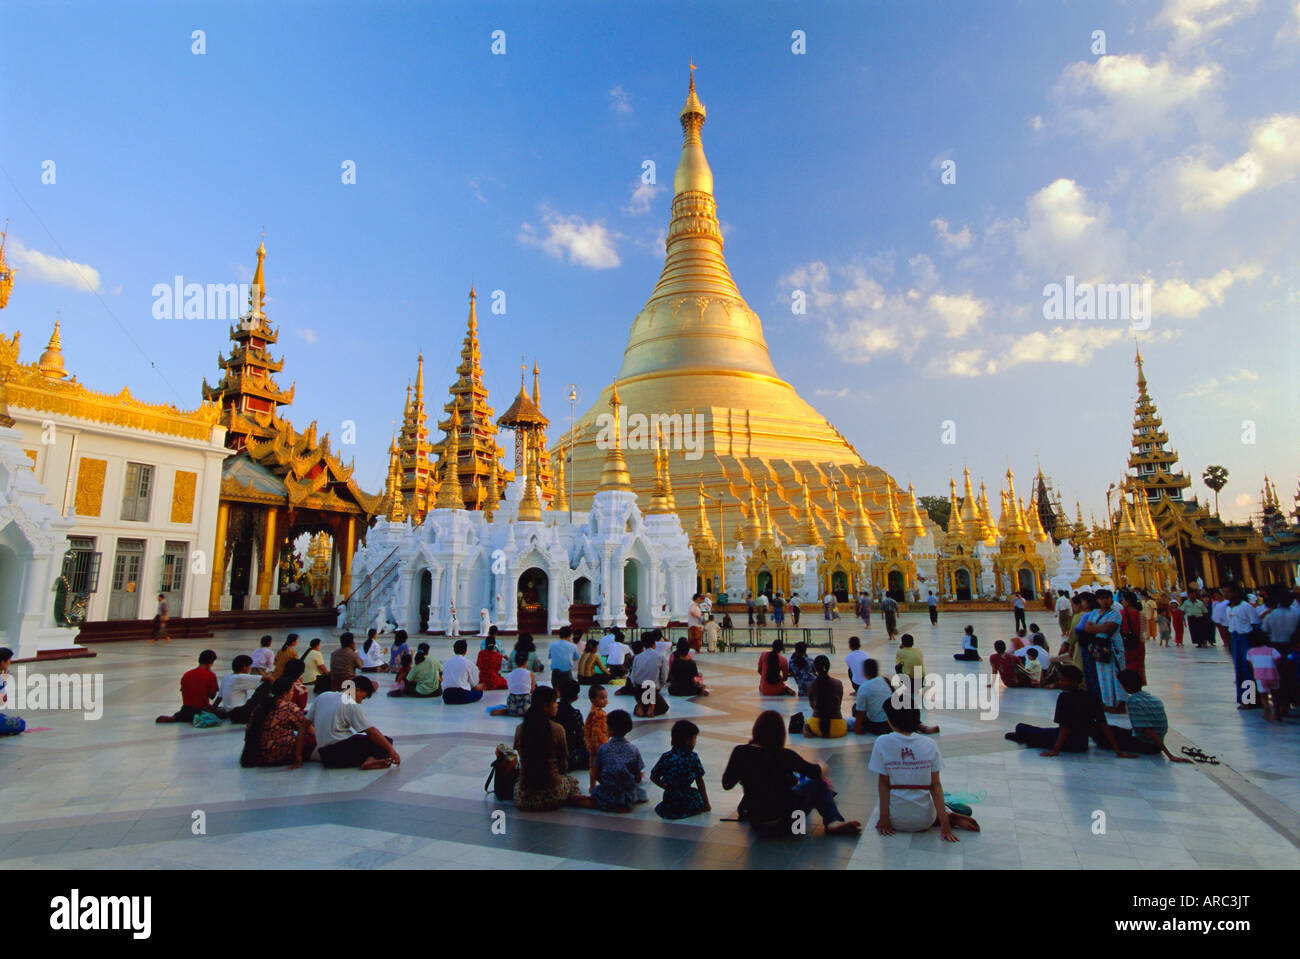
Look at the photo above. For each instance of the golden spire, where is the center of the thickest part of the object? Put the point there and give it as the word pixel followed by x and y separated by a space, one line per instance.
pixel 1035 524
pixel 1142 377
pixel 614 475
pixel 988 528
pixel 669 500
pixel 658 496
pixel 530 508
pixel 810 534
pixel 449 492
pixel 703 531
pixel 396 506
pixel 51 361
pixel 915 526
pixel 766 530
pixel 693 173
pixel 970 517
pixel 956 528
pixel 560 501
pixel 257 294
pixel 892 526
pixel 837 531
pixel 862 529
pixel 537 393
pixel 752 530
pixel 6 271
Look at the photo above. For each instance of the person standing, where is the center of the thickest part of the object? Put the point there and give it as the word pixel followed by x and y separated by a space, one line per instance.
pixel 866 609
pixel 778 609
pixel 1064 612
pixel 750 606
pixel 760 606
pixel 1219 616
pixel 794 609
pixel 160 619
pixel 890 608
pixel 1018 608
pixel 1177 617
pixel 1198 619
pixel 1150 608
pixel 933 602
pixel 1105 634
pixel 1240 622
pixel 695 622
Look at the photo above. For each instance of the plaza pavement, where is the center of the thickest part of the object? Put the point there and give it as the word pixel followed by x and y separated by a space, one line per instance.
pixel 122 792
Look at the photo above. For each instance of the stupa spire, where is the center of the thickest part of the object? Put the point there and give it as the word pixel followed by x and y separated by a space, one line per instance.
pixel 615 476
pixel 956 527
pixel 811 536
pixel 862 528
pixel 703 531
pixel 51 361
pixel 6 271
pixel 449 491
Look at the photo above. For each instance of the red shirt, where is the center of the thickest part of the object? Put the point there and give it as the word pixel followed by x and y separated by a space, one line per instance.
pixel 1004 664
pixel 198 686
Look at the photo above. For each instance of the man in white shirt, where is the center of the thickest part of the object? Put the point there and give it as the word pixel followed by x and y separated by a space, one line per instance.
pixel 460 683
pixel 236 686
pixel 1239 618
pixel 760 606
pixel 869 704
pixel 345 738
pixel 1219 616
pixel 606 643
pixel 1064 612
pixel 854 659
pixel 616 661
pixel 829 606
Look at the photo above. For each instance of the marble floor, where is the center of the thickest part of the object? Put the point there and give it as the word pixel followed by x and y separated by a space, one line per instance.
pixel 122 792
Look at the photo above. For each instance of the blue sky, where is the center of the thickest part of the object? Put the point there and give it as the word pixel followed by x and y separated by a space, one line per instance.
pixel 1171 159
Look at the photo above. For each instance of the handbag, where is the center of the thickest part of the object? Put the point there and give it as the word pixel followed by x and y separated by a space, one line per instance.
pixel 796 724
pixel 205 720
pixel 505 771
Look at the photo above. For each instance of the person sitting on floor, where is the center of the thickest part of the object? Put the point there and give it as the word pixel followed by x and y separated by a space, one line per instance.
pixel 801 669
pixel 595 731
pixel 278 732
pixel 424 681
pixel 773 671
pixel 399 649
pixel 10 725
pixel 634 650
pixel 911 795
pixel 684 677
pixel 680 774
pixel 1046 671
pixel 590 669
pixel 647 680
pixel 519 688
pixel 344 662
pixel 372 655
pixel 776 782
pixel 853 661
pixel 869 706
pixel 403 670
pixel 199 687
pixel 619 660
pixel 263 657
pixel 910 660
pixel 1005 666
pixel 235 688
pixel 525 642
pixel 826 699
pixel 287 652
pixel 563 654
pixel 1146 714
pixel 489 663
pixel 970 646
pixel 1078 716
pixel 543 784
pixel 460 684
pixel 345 738
pixel 618 768
pixel 315 674
pixel 1033 669
pixel 568 716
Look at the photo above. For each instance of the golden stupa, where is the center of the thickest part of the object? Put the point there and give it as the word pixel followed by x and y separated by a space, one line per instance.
pixel 696 354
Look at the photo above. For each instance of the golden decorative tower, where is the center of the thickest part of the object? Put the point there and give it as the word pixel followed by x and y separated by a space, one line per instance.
pixel 614 474
pixel 450 489
pixel 863 531
pixel 913 525
pixel 524 417
pixel 476 444
pixel 1153 466
pixel 247 393
pixel 987 526
pixel 393 506
pixel 6 271
pixel 956 527
pixel 415 452
pixel 697 355
pixel 809 534
pixel 560 501
pixel 545 471
pixel 51 361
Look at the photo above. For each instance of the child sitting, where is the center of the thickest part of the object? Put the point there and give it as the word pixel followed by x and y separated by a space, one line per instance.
pixel 519 688
pixel 236 686
pixel 595 731
pixel 969 647
pixel 676 771
pixel 10 725
pixel 1033 668
pixel 568 716
pixel 617 768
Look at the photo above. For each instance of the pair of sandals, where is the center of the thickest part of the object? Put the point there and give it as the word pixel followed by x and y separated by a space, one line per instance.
pixel 1196 755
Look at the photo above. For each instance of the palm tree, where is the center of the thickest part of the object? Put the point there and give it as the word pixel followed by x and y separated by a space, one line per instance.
pixel 1216 478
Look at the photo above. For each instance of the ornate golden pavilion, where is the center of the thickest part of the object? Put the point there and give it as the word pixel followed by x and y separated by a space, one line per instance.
pixel 697 348
pixel 283 483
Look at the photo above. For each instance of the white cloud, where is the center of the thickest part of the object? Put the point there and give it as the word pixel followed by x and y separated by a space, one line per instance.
pixel 1184 300
pixel 589 244
pixel 308 334
pixel 1124 98
pixel 1193 21
pixel 40 267
pixel 1291 28
pixel 965 363
pixel 960 313
pixel 1215 385
pixel 1066 234
pixel 952 242
pixel 1273 159
pixel 1244 499
pixel 1035 122
pixel 620 101
pixel 1076 346
pixel 642 195
pixel 839 394
pixel 814 279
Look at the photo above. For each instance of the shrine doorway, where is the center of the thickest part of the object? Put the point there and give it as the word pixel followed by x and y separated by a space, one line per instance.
pixel 534 585
pixel 962 586
pixel 897 585
pixel 1025 582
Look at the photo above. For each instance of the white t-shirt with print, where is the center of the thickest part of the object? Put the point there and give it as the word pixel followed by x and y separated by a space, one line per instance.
pixel 907 760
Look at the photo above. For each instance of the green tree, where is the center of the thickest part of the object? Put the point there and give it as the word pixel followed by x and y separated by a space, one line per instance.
pixel 1216 478
pixel 938 507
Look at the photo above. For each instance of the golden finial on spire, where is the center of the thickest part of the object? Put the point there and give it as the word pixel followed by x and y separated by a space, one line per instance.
pixel 614 474
pixel 6 271
pixel 257 292
pixel 51 361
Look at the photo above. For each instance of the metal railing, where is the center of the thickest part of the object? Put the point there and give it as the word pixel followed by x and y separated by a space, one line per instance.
pixel 365 593
pixel 816 637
